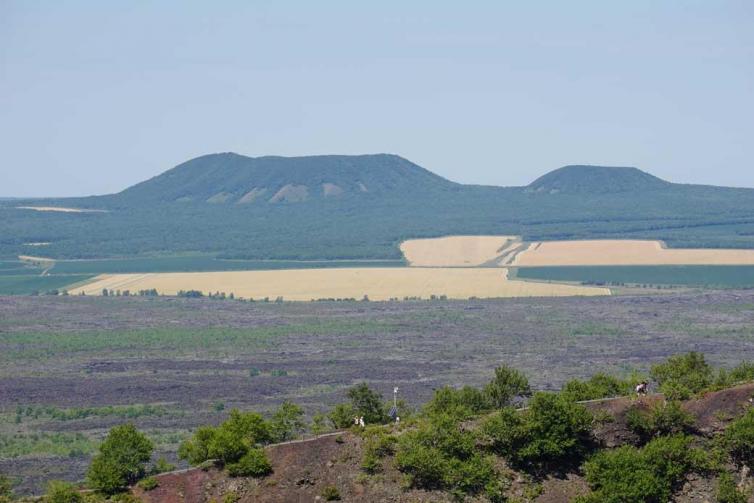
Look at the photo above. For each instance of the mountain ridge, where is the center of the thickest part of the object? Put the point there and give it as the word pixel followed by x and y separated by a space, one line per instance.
pixel 363 207
pixel 230 177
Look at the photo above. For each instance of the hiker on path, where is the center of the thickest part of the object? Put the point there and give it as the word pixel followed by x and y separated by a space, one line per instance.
pixel 641 388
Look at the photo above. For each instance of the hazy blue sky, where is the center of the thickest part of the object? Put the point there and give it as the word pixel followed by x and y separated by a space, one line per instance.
pixel 95 96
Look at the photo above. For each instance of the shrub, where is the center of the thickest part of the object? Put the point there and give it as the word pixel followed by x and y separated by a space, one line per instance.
pixel 59 491
pixel 507 384
pixel 148 483
pixel 438 455
pixel 330 493
pixel 367 403
pixel 162 465
pixel 377 445
pixel 287 422
pixel 727 492
pixel 227 445
pixel 460 403
pixel 196 449
pixel 6 488
pixel 319 424
pixel 252 464
pixel 662 419
pixel 600 385
pixel 631 475
pixel 342 416
pixel 738 439
pixel 121 460
pixel 552 429
pixel 233 443
pixel 682 375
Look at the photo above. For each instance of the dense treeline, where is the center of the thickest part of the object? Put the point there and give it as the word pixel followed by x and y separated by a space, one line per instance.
pixel 371 226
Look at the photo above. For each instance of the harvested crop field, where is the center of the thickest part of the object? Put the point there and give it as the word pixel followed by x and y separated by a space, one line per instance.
pixel 457 251
pixel 313 284
pixel 625 252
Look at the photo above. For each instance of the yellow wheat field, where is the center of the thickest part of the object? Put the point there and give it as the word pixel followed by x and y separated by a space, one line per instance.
pixel 457 251
pixel 625 252
pixel 308 284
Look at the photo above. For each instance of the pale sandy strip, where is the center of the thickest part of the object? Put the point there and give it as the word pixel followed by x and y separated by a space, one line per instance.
pixel 376 283
pixel 626 252
pixel 60 209
pixel 455 251
pixel 30 258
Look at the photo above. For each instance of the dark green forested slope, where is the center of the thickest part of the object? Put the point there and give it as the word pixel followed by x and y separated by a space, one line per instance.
pixel 363 206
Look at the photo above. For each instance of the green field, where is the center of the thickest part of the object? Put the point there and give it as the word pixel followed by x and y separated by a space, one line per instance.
pixel 202 263
pixel 26 284
pixel 685 275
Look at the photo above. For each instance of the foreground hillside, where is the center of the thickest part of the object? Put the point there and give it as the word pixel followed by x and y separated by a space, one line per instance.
pixel 593 441
pixel 362 207
pixel 303 470
pixel 73 367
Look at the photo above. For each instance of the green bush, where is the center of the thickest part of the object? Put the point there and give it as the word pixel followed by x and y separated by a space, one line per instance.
pixel 286 422
pixel 507 384
pixel 682 375
pixel 234 442
pixel 460 403
pixel 738 439
pixel 377 445
pixel 650 474
pixel 227 445
pixel 62 492
pixel 367 403
pixel 6 488
pixel 600 385
pixel 196 449
pixel 552 429
pixel 319 424
pixel 330 493
pixel 121 460
pixel 439 455
pixel 667 418
pixel 252 464
pixel 162 466
pixel 342 416
pixel 148 483
pixel 727 492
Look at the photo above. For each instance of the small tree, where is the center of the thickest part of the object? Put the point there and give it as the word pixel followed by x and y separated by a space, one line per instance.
pixel 682 375
pixel 507 384
pixel 287 422
pixel 367 403
pixel 121 460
